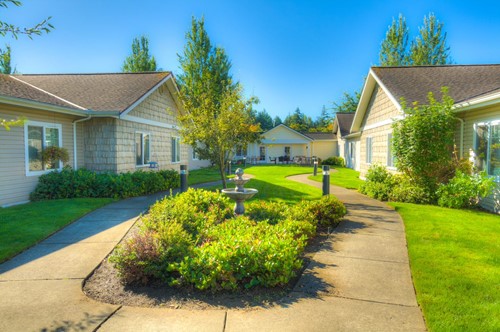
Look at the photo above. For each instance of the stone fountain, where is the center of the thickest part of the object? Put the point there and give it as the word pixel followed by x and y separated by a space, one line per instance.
pixel 239 194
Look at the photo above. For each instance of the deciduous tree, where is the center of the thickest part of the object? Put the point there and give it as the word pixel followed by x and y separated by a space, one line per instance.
pixel 217 116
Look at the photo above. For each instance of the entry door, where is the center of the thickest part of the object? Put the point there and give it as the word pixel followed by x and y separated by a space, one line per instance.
pixel 262 153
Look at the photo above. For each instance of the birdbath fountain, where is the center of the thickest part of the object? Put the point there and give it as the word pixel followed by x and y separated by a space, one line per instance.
pixel 239 194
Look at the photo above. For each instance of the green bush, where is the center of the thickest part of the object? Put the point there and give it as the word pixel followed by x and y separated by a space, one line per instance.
pixel 379 183
pixel 334 161
pixel 82 183
pixel 404 190
pixel 198 242
pixel 328 211
pixel 464 191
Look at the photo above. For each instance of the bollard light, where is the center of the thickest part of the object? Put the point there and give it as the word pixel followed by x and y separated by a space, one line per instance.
pixel 229 167
pixel 244 161
pixel 315 166
pixel 184 178
pixel 326 180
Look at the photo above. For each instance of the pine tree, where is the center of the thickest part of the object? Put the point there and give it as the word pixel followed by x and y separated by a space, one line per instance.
pixel 265 120
pixel 140 60
pixel 394 48
pixel 430 47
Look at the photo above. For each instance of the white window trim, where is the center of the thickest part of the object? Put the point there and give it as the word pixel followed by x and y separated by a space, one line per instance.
pixel 369 150
pixel 177 138
pixel 390 154
pixel 489 122
pixel 142 141
pixel 26 151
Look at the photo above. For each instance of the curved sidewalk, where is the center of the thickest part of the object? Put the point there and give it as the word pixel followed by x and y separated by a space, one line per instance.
pixel 358 281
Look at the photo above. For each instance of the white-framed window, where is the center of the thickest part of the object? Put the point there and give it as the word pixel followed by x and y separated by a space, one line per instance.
pixel 241 151
pixel 262 153
pixel 390 156
pixel 194 155
pixel 176 149
pixel 487 147
pixel 369 150
pixel 142 148
pixel 38 136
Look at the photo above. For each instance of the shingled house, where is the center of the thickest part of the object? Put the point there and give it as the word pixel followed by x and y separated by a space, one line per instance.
pixel 107 122
pixel 475 90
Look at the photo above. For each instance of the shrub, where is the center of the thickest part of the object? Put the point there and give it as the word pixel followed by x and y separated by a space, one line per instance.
pixel 197 241
pixel 328 211
pixel 379 183
pixel 334 161
pixel 464 191
pixel 404 190
pixel 81 183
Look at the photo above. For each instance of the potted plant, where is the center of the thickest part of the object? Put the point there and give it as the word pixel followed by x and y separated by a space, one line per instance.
pixel 52 155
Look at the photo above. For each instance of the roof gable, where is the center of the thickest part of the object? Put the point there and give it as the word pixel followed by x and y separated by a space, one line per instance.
pixel 282 132
pixel 465 83
pixel 343 122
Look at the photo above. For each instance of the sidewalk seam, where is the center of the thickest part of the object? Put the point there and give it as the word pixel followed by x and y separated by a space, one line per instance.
pixel 107 318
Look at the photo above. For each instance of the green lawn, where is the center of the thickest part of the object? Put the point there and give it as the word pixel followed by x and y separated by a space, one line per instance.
pixel 342 177
pixel 24 225
pixel 455 263
pixel 203 175
pixel 270 181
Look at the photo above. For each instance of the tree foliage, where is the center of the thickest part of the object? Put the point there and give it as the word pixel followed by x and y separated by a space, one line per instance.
pixel 5 66
pixel 324 122
pixel 428 48
pixel 394 48
pixel 10 29
pixel 140 60
pixel 348 103
pixel 6 28
pixel 298 121
pixel 277 121
pixel 265 120
pixel 423 141
pixel 217 116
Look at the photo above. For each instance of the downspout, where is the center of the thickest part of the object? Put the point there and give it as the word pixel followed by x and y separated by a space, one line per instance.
pixel 75 159
pixel 462 123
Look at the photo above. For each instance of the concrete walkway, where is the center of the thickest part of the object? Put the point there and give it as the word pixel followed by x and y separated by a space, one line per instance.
pixel 359 280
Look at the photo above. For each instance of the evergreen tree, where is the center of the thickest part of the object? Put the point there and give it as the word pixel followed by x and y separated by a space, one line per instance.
pixel 298 121
pixel 277 121
pixel 140 60
pixel 394 49
pixel 430 47
pixel 348 103
pixel 265 120
pixel 218 118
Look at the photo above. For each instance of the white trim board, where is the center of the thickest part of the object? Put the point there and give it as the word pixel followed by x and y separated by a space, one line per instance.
pixel 149 122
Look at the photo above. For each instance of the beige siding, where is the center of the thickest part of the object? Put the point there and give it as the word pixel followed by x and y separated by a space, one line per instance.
pixel 379 109
pixel 15 185
pixel 324 149
pixel 100 144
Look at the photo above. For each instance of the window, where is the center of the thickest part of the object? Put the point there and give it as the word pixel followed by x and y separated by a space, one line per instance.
pixel 287 151
pixel 262 153
pixel 368 150
pixel 195 154
pixel 390 157
pixel 487 147
pixel 176 149
pixel 241 151
pixel 142 148
pixel 38 136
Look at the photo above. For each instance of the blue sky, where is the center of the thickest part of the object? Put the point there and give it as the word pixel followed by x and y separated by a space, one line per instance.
pixel 287 53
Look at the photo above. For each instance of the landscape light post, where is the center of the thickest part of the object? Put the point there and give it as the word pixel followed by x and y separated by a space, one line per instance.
pixel 315 166
pixel 184 178
pixel 326 180
pixel 229 167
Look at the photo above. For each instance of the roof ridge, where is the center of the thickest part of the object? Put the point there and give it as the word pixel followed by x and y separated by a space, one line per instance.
pixel 48 93
pixel 446 65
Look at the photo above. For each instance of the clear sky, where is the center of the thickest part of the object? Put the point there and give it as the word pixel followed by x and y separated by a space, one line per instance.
pixel 287 53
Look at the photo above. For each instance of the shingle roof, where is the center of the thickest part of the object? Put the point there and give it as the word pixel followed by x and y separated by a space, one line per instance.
pixel 319 136
pixel 464 81
pixel 11 87
pixel 97 92
pixel 345 121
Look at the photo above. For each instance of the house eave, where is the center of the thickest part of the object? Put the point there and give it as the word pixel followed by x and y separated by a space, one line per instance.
pixel 479 102
pixel 41 106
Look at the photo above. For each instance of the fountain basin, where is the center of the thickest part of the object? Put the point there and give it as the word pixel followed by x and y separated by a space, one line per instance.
pixel 239 197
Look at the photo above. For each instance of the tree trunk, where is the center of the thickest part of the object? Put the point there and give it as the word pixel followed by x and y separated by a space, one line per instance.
pixel 222 170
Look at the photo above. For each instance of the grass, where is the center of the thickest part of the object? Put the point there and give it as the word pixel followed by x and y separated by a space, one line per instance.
pixel 24 225
pixel 203 175
pixel 455 263
pixel 270 181
pixel 342 177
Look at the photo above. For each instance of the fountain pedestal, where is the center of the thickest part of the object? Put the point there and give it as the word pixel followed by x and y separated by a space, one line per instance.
pixel 239 194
